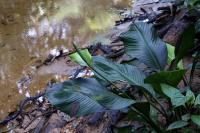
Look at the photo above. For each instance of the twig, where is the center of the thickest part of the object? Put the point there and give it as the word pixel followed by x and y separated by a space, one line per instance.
pixel 45 113
pixel 117 54
pixel 77 72
pixel 20 109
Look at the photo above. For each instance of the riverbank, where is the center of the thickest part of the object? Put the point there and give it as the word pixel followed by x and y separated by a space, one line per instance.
pixel 31 30
pixel 42 117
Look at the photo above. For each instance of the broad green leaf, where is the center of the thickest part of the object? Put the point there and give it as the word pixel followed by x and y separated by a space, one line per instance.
pixel 142 42
pixel 185 117
pixel 196 119
pixel 185 44
pixel 120 72
pixel 190 97
pixel 77 58
pixel 171 56
pixel 197 101
pixel 177 99
pixel 153 114
pixel 177 124
pixel 84 96
pixel 166 77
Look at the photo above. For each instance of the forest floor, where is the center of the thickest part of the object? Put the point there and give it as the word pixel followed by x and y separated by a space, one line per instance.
pixel 39 116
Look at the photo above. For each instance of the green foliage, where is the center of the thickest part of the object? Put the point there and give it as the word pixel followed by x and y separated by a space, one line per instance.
pixel 77 58
pixel 197 101
pixel 185 117
pixel 191 3
pixel 177 99
pixel 168 77
pixel 153 113
pixel 165 77
pixel 142 42
pixel 177 124
pixel 171 56
pixel 120 72
pixel 84 96
pixel 186 42
pixel 196 119
pixel 190 97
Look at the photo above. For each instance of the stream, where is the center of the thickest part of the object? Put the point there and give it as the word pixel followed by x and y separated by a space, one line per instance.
pixel 30 29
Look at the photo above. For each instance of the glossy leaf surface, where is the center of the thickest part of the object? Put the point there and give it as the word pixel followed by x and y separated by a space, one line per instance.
pixel 120 72
pixel 142 42
pixel 84 96
pixel 77 58
pixel 177 99
pixel 196 119
pixel 177 124
pixel 166 77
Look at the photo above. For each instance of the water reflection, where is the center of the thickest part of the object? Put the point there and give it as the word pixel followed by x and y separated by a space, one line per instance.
pixel 30 29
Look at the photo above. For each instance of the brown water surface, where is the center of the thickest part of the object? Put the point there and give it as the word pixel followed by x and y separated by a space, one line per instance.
pixel 29 29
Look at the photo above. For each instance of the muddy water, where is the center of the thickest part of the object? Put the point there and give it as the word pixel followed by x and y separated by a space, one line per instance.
pixel 29 29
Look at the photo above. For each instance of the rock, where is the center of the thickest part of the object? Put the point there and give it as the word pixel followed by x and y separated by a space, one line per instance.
pixel 61 66
pixel 55 122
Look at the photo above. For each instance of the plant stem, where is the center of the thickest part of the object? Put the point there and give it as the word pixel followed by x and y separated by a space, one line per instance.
pixel 149 120
pixel 185 80
pixel 89 65
pixel 162 108
pixel 149 100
